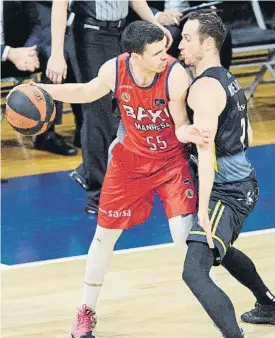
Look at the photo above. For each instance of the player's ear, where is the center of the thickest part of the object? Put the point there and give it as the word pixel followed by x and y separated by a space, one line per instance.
pixel 135 56
pixel 210 43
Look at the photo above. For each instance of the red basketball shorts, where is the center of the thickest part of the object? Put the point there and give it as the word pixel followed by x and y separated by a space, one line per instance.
pixel 130 182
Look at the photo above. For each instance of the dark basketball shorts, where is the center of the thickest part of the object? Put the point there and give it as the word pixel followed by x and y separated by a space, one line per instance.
pixel 230 204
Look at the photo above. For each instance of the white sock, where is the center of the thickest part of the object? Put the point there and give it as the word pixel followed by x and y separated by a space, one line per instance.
pixel 98 262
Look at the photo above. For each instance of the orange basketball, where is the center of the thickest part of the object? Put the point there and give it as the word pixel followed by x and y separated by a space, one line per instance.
pixel 30 110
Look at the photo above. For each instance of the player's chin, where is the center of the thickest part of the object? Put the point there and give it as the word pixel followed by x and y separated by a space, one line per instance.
pixel 186 63
pixel 160 69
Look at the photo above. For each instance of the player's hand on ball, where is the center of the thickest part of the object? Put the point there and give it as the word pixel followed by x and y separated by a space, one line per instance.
pixel 36 84
pixel 204 222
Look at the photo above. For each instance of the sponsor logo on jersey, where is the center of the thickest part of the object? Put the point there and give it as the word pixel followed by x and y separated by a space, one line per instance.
pixel 156 118
pixel 125 97
pixel 148 127
pixel 228 75
pixel 125 86
pixel 141 114
pixel 159 102
pixel 187 182
pixel 234 87
pixel 241 107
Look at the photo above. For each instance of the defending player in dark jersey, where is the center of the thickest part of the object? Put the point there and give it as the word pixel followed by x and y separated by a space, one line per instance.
pixel 228 189
pixel 150 87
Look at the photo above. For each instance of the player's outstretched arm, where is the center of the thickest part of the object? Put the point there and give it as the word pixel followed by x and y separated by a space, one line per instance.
pixel 85 92
pixel 207 98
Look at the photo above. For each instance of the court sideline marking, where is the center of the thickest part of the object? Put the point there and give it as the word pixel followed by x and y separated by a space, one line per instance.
pixel 119 252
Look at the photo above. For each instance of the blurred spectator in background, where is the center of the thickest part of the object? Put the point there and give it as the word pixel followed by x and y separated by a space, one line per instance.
pixel 97 28
pixel 169 13
pixel 25 45
pixel 50 140
pixel 19 26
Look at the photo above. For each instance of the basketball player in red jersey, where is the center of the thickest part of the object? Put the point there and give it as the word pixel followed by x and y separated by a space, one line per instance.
pixel 149 157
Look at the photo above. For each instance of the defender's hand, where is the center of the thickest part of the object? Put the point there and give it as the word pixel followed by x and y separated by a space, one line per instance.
pixel 197 136
pixel 204 222
pixel 36 84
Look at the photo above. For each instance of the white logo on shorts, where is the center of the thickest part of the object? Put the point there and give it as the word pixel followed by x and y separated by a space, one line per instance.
pixel 116 214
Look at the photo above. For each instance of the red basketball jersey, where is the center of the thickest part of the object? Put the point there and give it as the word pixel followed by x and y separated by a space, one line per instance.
pixel 149 127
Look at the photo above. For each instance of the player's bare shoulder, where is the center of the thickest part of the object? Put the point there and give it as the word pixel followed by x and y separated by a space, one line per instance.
pixel 178 82
pixel 107 73
pixel 209 91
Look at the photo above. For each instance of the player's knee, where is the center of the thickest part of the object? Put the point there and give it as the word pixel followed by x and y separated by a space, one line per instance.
pixel 106 237
pixel 188 275
pixel 180 227
pixel 197 265
pixel 191 268
pixel 191 273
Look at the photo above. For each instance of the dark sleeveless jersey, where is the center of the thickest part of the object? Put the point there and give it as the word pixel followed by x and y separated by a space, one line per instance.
pixel 147 126
pixel 232 134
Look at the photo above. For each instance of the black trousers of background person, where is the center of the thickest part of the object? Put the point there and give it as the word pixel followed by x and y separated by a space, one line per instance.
pixel 73 75
pixel 93 48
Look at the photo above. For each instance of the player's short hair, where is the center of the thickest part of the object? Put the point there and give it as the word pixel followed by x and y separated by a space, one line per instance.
pixel 138 34
pixel 210 25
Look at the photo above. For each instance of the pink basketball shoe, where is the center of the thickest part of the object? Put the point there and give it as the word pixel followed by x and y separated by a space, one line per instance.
pixel 85 323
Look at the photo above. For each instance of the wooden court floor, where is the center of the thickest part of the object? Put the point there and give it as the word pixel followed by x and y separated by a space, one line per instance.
pixel 143 296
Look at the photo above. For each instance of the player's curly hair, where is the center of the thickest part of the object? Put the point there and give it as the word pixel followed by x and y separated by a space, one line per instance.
pixel 138 34
pixel 210 25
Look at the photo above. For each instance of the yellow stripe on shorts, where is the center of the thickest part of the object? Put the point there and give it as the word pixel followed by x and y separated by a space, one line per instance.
pixel 218 219
pixel 215 211
pixel 202 233
pixel 215 159
pixel 218 210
